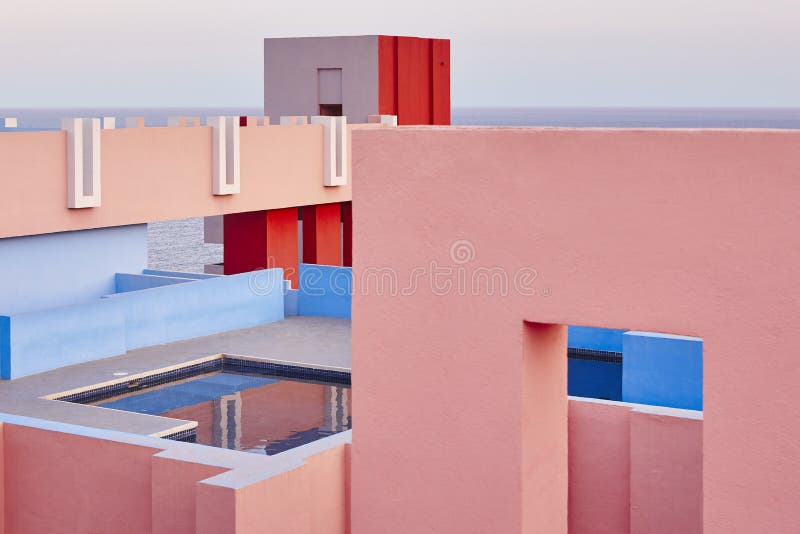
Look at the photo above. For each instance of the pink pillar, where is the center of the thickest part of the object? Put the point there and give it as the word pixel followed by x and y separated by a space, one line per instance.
pixel 544 428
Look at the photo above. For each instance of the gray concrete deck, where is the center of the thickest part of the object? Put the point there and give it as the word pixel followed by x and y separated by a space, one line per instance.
pixel 304 340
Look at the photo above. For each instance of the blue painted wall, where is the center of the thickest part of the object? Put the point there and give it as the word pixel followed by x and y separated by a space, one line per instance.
pixel 48 339
pixel 594 379
pixel 183 311
pixel 325 291
pixel 180 274
pixel 47 271
pixel 290 297
pixel 587 337
pixel 125 282
pixel 5 346
pixel 662 370
pixel 39 341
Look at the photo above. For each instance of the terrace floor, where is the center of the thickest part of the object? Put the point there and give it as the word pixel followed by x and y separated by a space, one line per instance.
pixel 316 341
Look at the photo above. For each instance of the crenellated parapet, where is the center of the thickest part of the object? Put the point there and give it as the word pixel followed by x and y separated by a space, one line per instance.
pixel 51 181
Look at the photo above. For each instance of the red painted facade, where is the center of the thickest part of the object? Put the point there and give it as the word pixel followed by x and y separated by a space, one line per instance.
pixel 322 234
pixel 260 240
pixel 414 79
pixel 347 233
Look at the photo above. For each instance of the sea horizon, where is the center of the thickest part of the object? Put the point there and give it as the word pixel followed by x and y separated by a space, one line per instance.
pixel 558 116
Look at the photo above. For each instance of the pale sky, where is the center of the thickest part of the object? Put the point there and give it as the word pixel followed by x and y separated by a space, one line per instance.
pixel 95 53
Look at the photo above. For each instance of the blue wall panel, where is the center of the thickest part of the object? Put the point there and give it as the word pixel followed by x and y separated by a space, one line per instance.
pixel 587 337
pixel 5 346
pixel 662 370
pixel 125 282
pixel 52 270
pixel 184 311
pixel 594 379
pixel 180 274
pixel 44 340
pixel 325 291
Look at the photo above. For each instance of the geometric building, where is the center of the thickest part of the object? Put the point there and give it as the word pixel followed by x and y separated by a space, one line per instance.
pixel 465 258
pixel 357 77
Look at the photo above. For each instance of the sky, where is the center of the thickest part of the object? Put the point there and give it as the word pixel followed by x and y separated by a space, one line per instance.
pixel 186 53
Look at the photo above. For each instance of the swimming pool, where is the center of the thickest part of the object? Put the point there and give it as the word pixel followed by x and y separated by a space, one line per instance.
pixel 251 412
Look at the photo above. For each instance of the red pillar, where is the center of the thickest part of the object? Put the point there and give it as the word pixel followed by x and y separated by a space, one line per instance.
pixel 347 233
pixel 322 234
pixel 262 240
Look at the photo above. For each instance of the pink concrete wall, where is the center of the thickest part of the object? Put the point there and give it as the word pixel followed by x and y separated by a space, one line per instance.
pixel 174 499
pixel 632 471
pixel 64 483
pixel 307 500
pixel 153 174
pixel 59 482
pixel 599 468
pixel 677 231
pixel 666 474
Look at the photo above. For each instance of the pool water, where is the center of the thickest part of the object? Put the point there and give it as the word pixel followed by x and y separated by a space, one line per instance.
pixel 252 413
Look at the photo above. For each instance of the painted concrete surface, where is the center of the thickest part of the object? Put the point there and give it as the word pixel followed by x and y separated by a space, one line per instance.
pixel 126 282
pixel 291 82
pixel 139 495
pixel 599 468
pixel 663 370
pixel 325 291
pixel 48 271
pixel 666 468
pixel 634 469
pixel 701 192
pixel 134 319
pixel 586 337
pixel 309 340
pixel 280 166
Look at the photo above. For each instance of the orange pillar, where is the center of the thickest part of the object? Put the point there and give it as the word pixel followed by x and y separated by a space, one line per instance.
pixel 262 240
pixel 347 233
pixel 322 234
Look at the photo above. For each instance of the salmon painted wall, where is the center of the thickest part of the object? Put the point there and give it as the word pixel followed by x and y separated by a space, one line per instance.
pixel 708 219
pixel 174 503
pixel 155 174
pixel 81 480
pixel 666 474
pixel 634 469
pixel 310 499
pixel 64 483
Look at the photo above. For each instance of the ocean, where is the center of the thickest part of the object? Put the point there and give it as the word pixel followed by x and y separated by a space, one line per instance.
pixel 596 117
pixel 179 246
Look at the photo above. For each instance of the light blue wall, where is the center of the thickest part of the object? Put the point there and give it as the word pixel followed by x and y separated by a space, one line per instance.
pixel 662 370
pixel 587 337
pixel 125 282
pixel 52 270
pixel 44 340
pixel 201 308
pixel 180 274
pixel 39 341
pixel 290 297
pixel 325 291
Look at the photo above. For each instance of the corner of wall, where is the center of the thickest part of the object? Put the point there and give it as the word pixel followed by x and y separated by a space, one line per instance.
pixel 5 347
